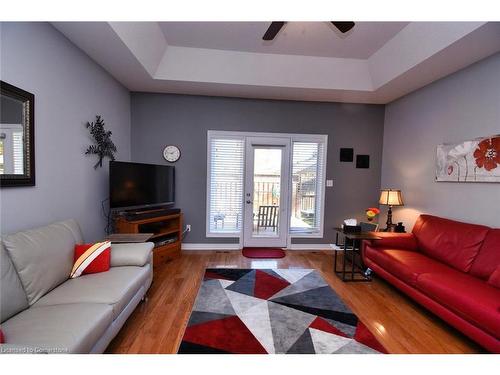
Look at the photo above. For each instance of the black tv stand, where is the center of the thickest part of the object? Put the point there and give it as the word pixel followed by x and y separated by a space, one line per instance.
pixel 150 213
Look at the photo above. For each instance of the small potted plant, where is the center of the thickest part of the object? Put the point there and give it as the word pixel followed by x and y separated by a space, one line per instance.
pixel 371 213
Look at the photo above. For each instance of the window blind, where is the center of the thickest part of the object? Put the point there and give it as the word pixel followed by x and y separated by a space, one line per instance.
pixel 308 182
pixel 225 190
pixel 17 142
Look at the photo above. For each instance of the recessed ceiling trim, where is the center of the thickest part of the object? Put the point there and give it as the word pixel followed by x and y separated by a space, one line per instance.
pixel 420 53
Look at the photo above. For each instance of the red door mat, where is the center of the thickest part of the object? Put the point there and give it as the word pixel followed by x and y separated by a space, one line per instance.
pixel 263 252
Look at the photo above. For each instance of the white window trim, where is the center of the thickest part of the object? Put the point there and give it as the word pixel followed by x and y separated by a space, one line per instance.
pixel 294 137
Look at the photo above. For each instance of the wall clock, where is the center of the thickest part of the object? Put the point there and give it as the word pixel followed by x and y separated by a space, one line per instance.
pixel 171 153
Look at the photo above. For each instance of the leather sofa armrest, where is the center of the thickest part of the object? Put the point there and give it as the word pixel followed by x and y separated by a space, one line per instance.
pixel 405 241
pixel 131 254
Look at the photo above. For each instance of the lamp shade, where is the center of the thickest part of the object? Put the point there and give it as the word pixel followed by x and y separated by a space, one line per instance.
pixel 391 197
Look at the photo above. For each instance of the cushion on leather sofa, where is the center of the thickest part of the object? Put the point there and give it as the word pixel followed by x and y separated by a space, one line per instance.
pixel 448 241
pixel 494 278
pixel 467 296
pixel 130 254
pixel 73 328
pixel 404 264
pixel 43 257
pixel 488 258
pixel 12 296
pixel 115 287
pixel 406 241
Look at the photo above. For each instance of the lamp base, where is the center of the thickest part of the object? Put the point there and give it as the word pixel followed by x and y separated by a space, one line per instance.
pixel 390 228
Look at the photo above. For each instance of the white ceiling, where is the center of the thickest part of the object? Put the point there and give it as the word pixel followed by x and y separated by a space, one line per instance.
pixel 295 38
pixel 374 63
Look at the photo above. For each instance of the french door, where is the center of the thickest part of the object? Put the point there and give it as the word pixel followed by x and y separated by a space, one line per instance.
pixel 266 192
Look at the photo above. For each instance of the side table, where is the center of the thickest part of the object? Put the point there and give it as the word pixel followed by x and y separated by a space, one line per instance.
pixel 355 272
pixel 129 237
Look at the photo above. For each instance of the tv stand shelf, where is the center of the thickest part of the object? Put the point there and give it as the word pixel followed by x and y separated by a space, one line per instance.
pixel 167 235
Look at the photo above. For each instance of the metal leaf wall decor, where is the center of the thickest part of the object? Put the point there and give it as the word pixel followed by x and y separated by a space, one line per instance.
pixel 103 145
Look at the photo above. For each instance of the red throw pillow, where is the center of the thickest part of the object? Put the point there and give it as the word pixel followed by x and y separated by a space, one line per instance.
pixel 101 263
pixel 2 337
pixel 495 278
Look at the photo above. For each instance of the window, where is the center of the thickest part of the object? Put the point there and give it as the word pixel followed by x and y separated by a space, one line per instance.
pixel 17 143
pixel 308 180
pixel 11 149
pixel 305 194
pixel 225 185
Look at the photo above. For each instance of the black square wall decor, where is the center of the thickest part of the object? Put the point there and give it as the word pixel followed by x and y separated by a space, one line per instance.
pixel 347 154
pixel 362 161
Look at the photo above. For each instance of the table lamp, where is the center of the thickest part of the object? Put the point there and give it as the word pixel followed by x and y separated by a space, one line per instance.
pixel 390 197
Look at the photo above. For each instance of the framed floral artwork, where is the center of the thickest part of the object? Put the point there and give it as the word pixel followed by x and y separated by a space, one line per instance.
pixel 477 160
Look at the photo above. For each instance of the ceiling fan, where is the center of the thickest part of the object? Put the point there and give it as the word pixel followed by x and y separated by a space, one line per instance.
pixel 273 30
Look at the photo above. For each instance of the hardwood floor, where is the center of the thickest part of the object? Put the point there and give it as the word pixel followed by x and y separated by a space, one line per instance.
pixel 402 326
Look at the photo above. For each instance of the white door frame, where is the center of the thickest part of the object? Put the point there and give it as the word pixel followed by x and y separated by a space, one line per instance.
pixel 249 239
pixel 294 137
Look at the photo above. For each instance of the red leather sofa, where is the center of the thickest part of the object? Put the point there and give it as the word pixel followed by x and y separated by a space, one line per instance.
pixel 451 268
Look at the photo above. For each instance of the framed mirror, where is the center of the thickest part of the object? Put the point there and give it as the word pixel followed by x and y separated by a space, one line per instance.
pixel 17 136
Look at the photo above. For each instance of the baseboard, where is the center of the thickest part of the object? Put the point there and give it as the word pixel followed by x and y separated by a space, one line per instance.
pixel 210 246
pixel 310 246
pixel 236 246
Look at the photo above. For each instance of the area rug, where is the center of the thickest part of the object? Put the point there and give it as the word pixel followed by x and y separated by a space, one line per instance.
pixel 263 252
pixel 292 311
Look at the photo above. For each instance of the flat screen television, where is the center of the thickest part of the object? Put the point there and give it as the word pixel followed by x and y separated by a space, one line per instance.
pixel 138 185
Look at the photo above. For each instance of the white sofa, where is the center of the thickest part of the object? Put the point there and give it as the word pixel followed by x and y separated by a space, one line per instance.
pixel 43 311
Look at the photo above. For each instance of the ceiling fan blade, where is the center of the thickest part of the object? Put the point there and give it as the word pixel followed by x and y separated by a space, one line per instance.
pixel 273 30
pixel 343 26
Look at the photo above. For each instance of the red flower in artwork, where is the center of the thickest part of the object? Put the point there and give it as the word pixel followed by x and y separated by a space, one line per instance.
pixel 488 153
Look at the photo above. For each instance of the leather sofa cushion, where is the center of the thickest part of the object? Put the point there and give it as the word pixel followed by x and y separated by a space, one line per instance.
pixel 130 254
pixel 391 240
pixel 471 298
pixel 43 257
pixel 494 278
pixel 12 296
pixel 115 287
pixel 405 265
pixel 488 258
pixel 73 328
pixel 448 241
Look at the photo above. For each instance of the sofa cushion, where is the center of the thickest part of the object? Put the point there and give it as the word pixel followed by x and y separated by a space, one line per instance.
pixel 73 328
pixel 404 264
pixel 130 254
pixel 43 257
pixel 392 240
pixel 494 278
pixel 448 241
pixel 488 258
pixel 471 298
pixel 115 287
pixel 12 296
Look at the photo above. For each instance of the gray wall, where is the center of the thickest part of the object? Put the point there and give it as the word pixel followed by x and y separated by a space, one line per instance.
pixel 69 89
pixel 161 119
pixel 462 106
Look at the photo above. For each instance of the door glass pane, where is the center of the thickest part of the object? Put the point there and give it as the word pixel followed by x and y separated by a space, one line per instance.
pixel 266 191
pixel 226 185
pixel 307 186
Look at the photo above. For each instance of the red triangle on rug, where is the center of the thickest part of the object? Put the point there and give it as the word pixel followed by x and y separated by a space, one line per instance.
pixel 267 285
pixel 364 336
pixel 324 326
pixel 228 334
